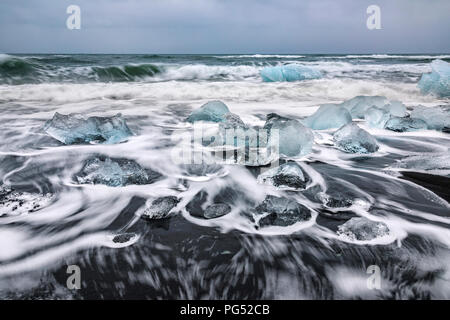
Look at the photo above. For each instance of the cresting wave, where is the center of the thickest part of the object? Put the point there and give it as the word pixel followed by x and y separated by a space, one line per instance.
pixel 22 70
pixel 143 68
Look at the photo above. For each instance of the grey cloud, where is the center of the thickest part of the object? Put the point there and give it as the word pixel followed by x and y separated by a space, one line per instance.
pixel 224 26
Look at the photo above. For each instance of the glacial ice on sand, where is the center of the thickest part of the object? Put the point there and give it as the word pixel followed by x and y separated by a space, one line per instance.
pixel 328 116
pixel 358 106
pixel 437 118
pixel 438 81
pixel 294 139
pixel 198 207
pixel 213 111
pixel 362 229
pixel 438 163
pixel 160 208
pixel 123 238
pixel 250 144
pixel 15 203
pixel 288 175
pixel 405 124
pixel 281 211
pixel 376 117
pixel 233 131
pixel 335 200
pixel 353 139
pixel 75 128
pixel 216 210
pixel 289 72
pixel 114 172
pixel 396 108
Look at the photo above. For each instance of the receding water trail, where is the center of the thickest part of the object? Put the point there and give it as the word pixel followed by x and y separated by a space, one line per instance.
pixel 57 211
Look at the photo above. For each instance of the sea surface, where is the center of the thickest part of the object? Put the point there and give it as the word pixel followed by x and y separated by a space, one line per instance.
pixel 185 257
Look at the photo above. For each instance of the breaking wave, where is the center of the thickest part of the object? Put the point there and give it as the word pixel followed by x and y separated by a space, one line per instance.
pixel 35 69
pixel 21 70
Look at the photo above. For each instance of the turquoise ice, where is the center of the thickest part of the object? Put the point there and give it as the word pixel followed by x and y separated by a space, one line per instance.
pixel 289 72
pixel 293 138
pixel 75 128
pixel 437 118
pixel 328 116
pixel 405 124
pixel 377 117
pixel 114 172
pixel 213 111
pixel 353 139
pixel 395 108
pixel 438 81
pixel 358 105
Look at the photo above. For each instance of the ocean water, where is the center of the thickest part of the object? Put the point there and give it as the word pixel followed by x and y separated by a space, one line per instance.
pixel 185 257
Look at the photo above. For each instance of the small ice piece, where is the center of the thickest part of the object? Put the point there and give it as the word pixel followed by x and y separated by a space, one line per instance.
pixel 358 106
pixel 15 203
pixel 281 211
pixel 405 124
pixel 293 139
pixel 436 163
pixel 376 117
pixel 362 229
pixel 353 139
pixel 203 169
pixel 438 81
pixel 287 176
pixel 234 132
pixel 160 208
pixel 328 116
pixel 232 120
pixel 195 206
pixel 75 128
pixel 396 108
pixel 124 237
pixel 336 200
pixel 213 111
pixel 289 72
pixel 216 210
pixel 437 118
pixel 114 172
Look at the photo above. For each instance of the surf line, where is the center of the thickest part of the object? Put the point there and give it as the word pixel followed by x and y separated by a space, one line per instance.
pixel 192 310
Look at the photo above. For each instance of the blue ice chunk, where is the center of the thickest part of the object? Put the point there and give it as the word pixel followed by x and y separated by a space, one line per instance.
pixel 353 139
pixel 289 72
pixel 328 116
pixel 293 138
pixel 376 117
pixel 213 111
pixel 160 208
pixel 396 108
pixel 433 163
pixel 114 172
pixel 437 118
pixel 438 81
pixel 362 229
pixel 287 176
pixel 281 211
pixel 358 106
pixel 405 124
pixel 233 131
pixel 75 128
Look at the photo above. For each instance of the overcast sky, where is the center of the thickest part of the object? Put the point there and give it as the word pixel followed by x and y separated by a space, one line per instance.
pixel 224 26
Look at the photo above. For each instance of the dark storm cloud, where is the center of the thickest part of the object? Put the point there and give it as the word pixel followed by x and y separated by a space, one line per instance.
pixel 224 26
